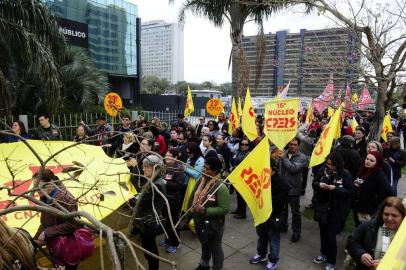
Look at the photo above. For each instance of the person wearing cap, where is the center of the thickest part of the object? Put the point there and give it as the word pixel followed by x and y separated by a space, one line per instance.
pixel 148 206
pixel 371 188
pixel 397 159
pixel 102 131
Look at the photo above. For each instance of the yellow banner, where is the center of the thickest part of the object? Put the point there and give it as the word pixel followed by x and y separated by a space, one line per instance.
pixel 252 179
pixel 324 144
pixel 189 106
pixel 234 119
pixel 248 118
pixel 387 127
pixel 395 257
pixel 281 120
pixel 102 187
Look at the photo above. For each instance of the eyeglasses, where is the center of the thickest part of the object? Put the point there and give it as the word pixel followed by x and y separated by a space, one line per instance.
pixel 244 144
pixel 209 124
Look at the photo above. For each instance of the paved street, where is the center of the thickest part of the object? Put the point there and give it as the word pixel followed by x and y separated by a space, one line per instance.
pixel 239 243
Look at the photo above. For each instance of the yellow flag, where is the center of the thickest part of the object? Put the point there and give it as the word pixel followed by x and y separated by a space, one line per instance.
pixel 252 179
pixel 395 257
pixel 330 112
pixel 324 144
pixel 239 107
pixel 248 118
pixel 309 115
pixel 354 124
pixel 102 186
pixel 190 185
pixel 234 119
pixel 281 120
pixel 387 127
pixel 354 98
pixel 189 107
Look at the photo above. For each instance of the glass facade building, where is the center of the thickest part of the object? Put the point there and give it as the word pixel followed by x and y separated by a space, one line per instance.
pixel 111 34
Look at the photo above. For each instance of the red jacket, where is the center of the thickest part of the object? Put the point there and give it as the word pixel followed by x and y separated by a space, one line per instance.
pixel 162 145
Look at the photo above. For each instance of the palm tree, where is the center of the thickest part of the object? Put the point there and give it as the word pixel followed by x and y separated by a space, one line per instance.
pixel 236 13
pixel 81 83
pixel 30 43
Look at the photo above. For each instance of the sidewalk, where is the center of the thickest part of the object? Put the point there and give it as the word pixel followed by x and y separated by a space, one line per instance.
pixel 239 243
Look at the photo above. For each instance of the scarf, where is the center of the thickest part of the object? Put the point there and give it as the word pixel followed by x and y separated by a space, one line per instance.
pixel 202 190
pixel 385 236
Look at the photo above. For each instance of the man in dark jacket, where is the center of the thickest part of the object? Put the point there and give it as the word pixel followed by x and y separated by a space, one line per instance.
pixel 307 143
pixel 292 164
pixel 46 130
pixel 102 131
pixel 350 156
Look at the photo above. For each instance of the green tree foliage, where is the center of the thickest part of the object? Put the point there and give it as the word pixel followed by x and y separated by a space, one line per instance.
pixel 82 84
pixel 154 85
pixel 38 71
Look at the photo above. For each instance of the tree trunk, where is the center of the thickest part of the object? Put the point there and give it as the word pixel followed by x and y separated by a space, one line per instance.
pixel 376 125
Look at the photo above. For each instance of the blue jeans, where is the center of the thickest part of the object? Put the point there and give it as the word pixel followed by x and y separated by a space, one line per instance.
pixel 267 236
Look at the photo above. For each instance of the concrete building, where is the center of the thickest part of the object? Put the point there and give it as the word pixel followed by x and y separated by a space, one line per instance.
pixel 162 50
pixel 108 30
pixel 307 59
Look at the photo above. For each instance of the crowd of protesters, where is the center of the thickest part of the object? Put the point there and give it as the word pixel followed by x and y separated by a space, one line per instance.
pixel 359 176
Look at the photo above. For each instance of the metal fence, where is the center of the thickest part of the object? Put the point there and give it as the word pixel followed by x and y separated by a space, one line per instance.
pixel 68 123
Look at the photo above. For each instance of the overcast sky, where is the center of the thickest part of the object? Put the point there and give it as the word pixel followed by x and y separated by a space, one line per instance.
pixel 207 48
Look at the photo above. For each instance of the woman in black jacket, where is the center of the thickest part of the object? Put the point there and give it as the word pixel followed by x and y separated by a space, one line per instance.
pixel 369 242
pixel 371 188
pixel 240 212
pixel 332 199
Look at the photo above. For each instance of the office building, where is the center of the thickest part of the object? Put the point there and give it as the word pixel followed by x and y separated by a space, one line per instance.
pixel 162 50
pixel 307 59
pixel 108 30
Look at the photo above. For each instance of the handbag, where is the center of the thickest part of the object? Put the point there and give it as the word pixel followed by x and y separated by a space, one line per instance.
pixel 70 250
pixel 149 224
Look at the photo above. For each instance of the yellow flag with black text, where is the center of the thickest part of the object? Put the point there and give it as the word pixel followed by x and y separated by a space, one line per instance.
pixel 248 118
pixel 325 142
pixel 395 257
pixel 252 179
pixel 234 122
pixel 189 107
pixel 281 120
pixel 387 127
